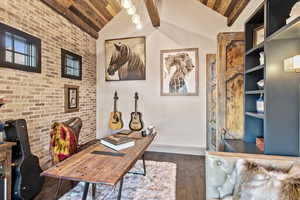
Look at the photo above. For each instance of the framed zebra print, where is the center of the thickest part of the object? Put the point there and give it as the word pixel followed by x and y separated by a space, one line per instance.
pixel 125 59
pixel 179 72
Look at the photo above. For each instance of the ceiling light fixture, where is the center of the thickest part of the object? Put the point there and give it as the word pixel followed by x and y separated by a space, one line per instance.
pixel 126 3
pixel 131 10
pixel 136 19
pixel 139 26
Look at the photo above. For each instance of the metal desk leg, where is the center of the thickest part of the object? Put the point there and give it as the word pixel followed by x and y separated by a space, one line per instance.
pixel 144 164
pixel 58 188
pixel 94 191
pixel 144 167
pixel 120 189
pixel 85 191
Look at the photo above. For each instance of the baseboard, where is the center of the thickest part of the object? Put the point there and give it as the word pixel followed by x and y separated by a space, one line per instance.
pixel 177 149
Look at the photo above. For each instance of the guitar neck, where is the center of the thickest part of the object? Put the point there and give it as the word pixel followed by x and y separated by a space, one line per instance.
pixel 115 105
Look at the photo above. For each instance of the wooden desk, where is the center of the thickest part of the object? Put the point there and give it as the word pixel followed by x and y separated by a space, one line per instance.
pixel 95 168
pixel 5 158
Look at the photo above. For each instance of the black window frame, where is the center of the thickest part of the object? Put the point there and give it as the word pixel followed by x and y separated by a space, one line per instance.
pixel 29 39
pixel 65 52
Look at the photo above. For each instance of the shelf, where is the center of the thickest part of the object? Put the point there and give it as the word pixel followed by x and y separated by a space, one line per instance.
pixel 259 67
pixel 289 31
pixel 240 146
pixel 256 49
pixel 256 115
pixel 255 92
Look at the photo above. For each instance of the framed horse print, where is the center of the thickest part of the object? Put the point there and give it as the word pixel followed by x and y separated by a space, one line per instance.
pixel 125 59
pixel 179 72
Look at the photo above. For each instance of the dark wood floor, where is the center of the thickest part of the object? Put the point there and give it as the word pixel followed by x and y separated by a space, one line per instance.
pixel 190 183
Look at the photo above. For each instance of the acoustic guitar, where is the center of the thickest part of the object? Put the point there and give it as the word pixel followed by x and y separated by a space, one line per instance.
pixel 136 122
pixel 115 121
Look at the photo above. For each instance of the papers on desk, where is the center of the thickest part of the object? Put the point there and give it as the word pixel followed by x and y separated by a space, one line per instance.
pixel 117 143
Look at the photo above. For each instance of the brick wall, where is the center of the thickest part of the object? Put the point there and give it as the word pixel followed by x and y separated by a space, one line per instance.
pixel 39 98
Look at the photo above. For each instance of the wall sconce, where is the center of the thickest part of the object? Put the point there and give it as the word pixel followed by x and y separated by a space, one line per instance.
pixel 292 64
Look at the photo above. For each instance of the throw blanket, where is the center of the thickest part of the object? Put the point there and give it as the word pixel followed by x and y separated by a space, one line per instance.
pixel 63 142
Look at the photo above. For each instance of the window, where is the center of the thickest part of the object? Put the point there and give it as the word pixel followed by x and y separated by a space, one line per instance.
pixel 19 50
pixel 71 65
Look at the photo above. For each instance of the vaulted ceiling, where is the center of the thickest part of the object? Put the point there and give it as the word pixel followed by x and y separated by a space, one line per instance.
pixel 92 15
pixel 228 8
pixel 89 15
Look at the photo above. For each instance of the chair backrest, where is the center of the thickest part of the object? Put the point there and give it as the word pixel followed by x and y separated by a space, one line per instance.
pixel 75 124
pixel 220 165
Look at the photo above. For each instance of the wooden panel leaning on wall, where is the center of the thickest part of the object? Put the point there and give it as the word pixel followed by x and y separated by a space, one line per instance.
pixel 211 100
pixel 230 86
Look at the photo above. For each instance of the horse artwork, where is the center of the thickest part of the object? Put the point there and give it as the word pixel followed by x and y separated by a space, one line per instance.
pixel 179 72
pixel 125 59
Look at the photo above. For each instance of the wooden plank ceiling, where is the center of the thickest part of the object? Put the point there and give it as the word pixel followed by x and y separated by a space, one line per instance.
pixel 89 15
pixel 228 8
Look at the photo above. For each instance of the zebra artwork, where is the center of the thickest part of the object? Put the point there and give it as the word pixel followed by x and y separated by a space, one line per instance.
pixel 179 72
pixel 125 63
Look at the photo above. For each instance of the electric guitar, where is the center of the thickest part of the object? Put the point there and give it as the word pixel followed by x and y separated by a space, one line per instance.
pixel 136 123
pixel 115 120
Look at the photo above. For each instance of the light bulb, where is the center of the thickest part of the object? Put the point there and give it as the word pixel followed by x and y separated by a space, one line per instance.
pixel 126 3
pixel 139 26
pixel 136 19
pixel 131 10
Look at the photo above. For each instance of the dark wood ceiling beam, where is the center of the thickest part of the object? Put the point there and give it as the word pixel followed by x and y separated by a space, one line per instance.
pixel 204 2
pixel 100 7
pixel 217 5
pixel 237 11
pixel 68 14
pixel 153 12
pixel 211 3
pixel 84 8
pixel 232 4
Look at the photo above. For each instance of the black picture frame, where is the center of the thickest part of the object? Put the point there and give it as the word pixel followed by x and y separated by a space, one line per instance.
pixel 31 39
pixel 71 98
pixel 65 52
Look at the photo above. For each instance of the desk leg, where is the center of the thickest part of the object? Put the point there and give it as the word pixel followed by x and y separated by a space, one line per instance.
pixel 120 189
pixel 144 164
pixel 94 191
pixel 58 188
pixel 85 191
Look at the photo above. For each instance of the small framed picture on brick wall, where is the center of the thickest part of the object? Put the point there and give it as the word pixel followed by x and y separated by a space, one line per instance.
pixel 71 98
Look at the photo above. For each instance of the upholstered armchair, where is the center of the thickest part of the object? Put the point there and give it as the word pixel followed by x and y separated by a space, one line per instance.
pixel 222 175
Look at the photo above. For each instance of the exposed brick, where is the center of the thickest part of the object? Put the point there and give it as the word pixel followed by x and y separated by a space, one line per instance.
pixel 39 98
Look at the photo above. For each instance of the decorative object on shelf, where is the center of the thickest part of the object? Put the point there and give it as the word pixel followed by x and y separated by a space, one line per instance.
pixel 71 98
pixel 260 144
pixel 115 120
pixel 260 104
pixel 258 35
pixel 295 12
pixel 262 58
pixel 292 64
pixel 179 72
pixel 125 59
pixel 261 84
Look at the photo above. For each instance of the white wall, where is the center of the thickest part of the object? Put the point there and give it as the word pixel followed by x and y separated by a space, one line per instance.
pixel 181 120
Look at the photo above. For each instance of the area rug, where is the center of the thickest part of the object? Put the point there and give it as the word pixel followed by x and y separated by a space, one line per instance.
pixel 159 184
